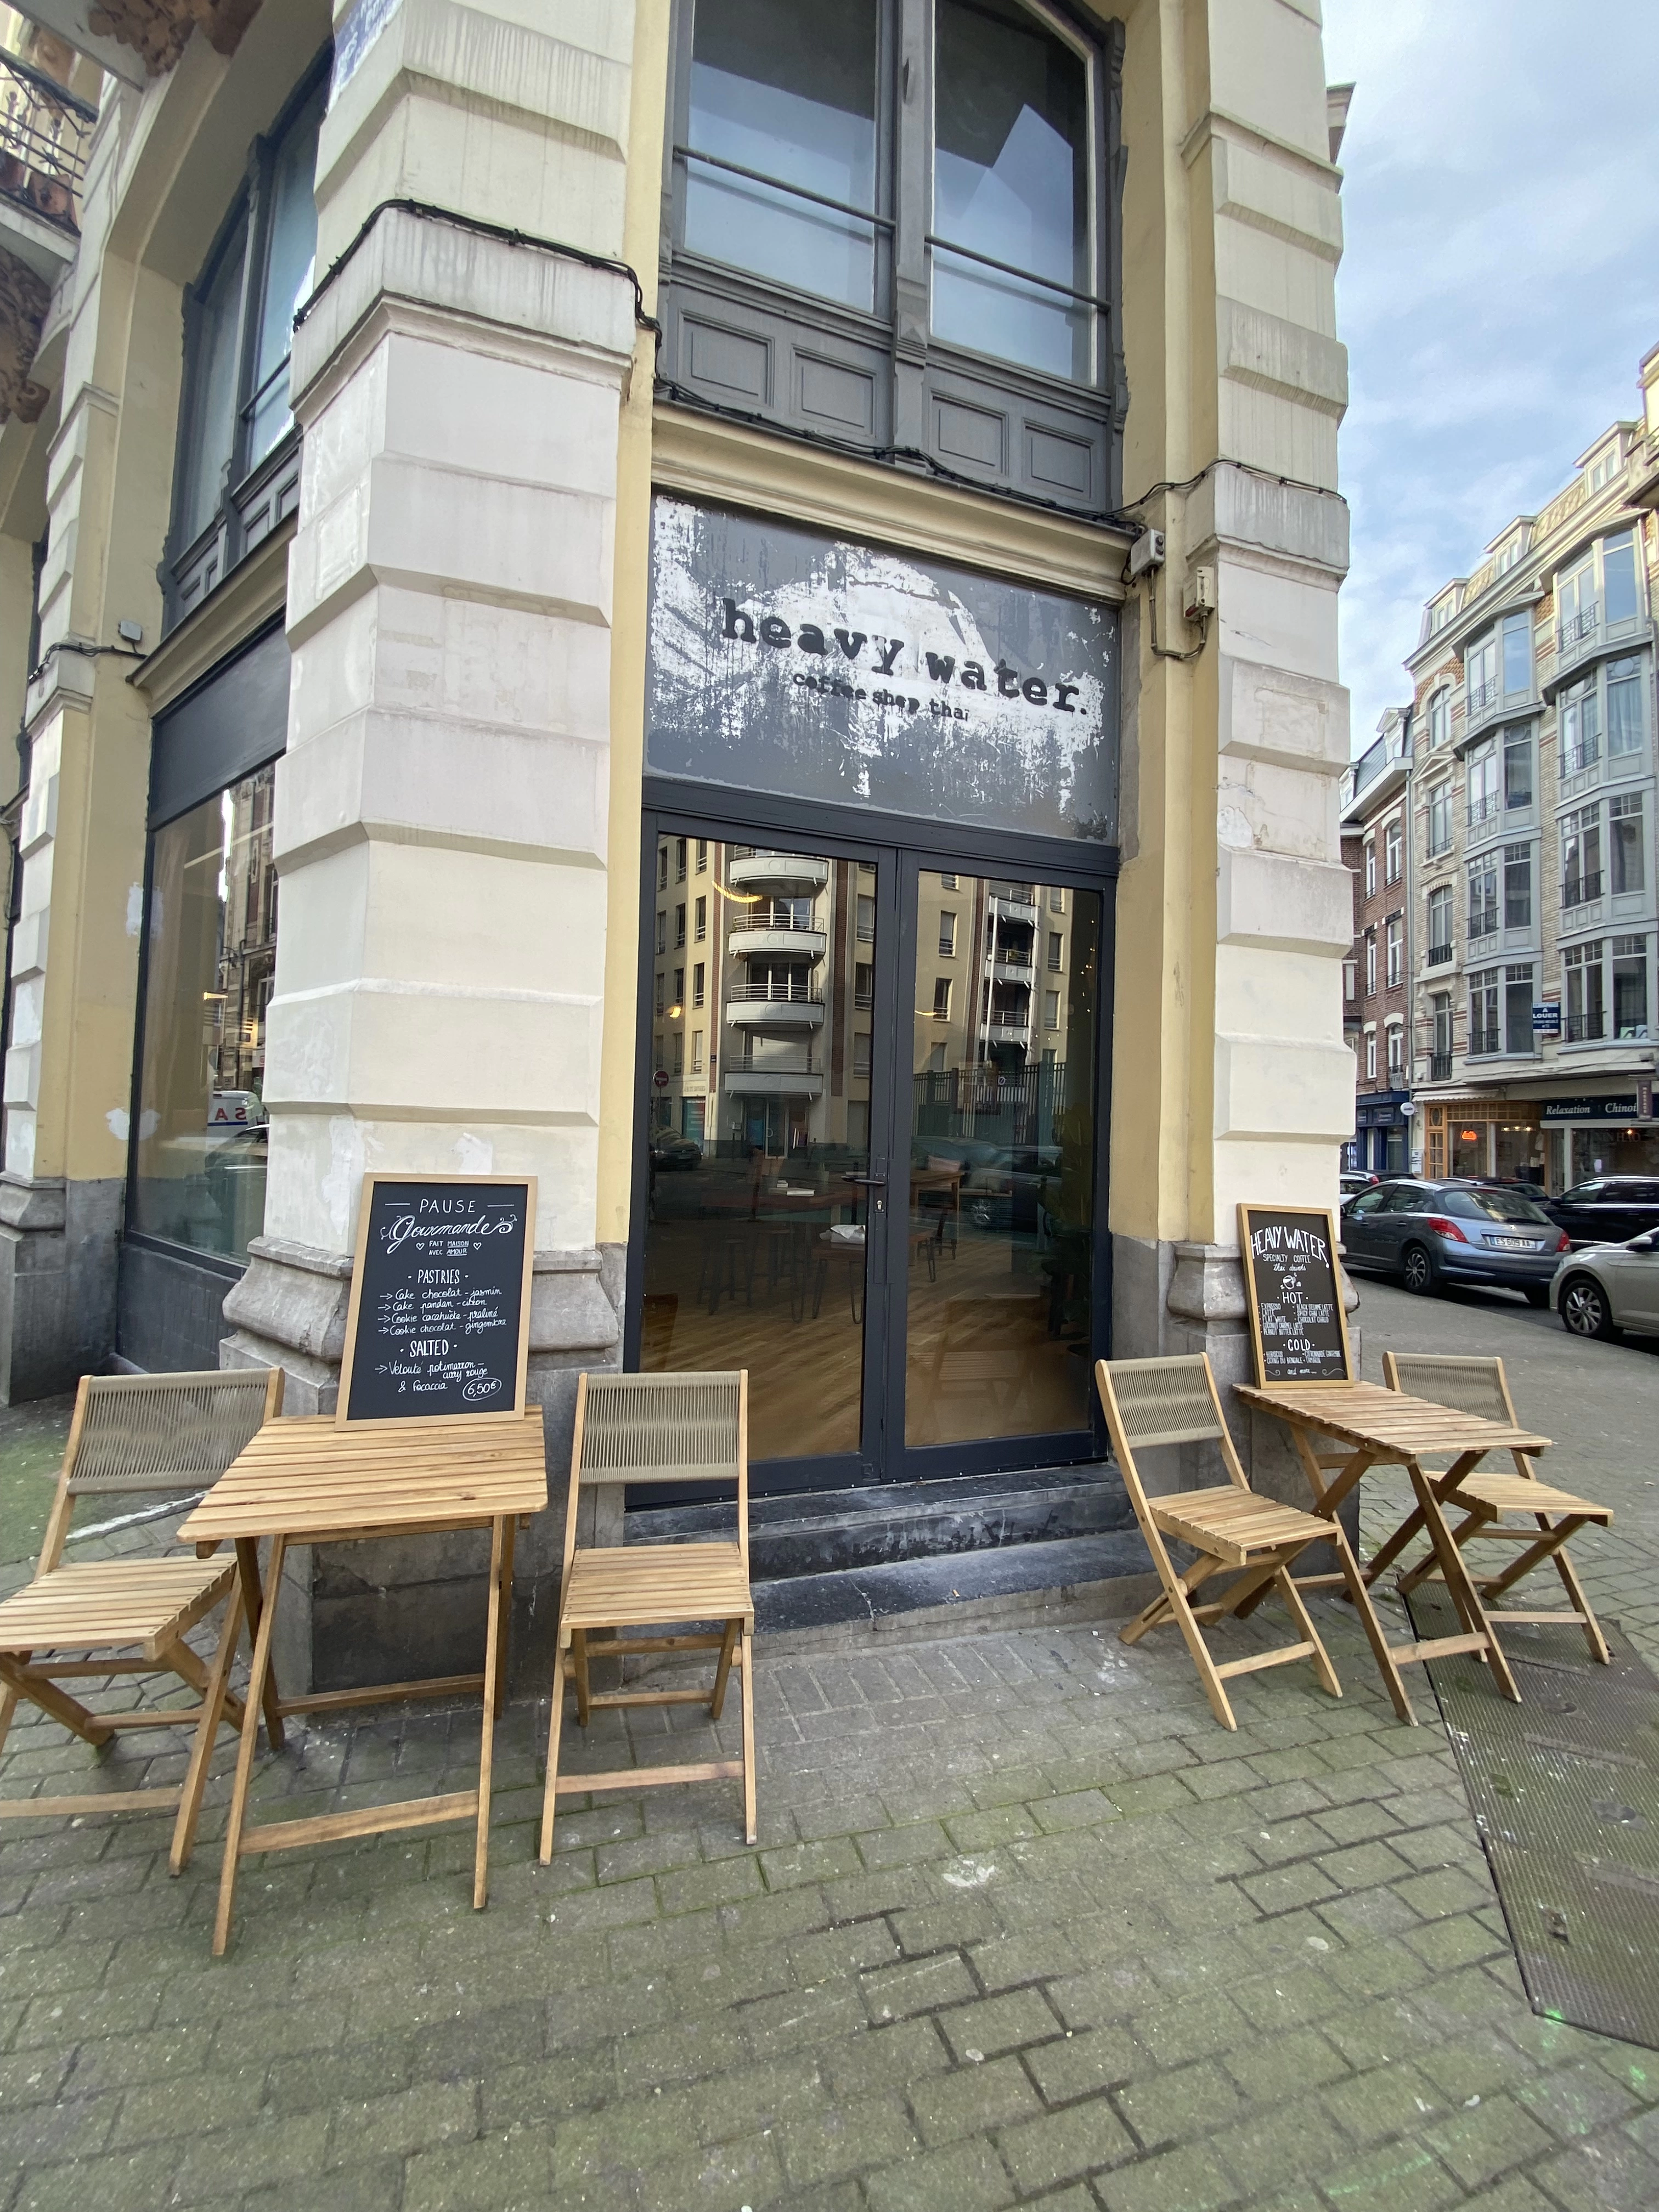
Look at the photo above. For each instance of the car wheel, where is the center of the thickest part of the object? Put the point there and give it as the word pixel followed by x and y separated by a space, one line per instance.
pixel 1585 1308
pixel 1419 1270
pixel 1538 1294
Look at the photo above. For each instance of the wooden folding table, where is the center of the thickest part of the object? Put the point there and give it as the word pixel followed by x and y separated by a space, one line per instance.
pixel 310 1481
pixel 1384 1428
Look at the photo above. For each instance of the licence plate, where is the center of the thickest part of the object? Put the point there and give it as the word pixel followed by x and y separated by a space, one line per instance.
pixel 1514 1243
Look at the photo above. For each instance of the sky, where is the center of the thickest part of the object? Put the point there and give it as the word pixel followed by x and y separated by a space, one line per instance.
pixel 1500 283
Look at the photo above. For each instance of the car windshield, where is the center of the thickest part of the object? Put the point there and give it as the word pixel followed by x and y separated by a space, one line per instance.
pixel 1492 1205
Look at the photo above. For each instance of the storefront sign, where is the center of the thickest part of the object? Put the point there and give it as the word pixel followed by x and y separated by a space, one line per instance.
pixel 787 662
pixel 1626 1106
pixel 1547 1020
pixel 438 1322
pixel 1297 1322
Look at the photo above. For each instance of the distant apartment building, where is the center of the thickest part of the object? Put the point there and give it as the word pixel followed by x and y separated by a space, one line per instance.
pixel 1376 977
pixel 1531 1018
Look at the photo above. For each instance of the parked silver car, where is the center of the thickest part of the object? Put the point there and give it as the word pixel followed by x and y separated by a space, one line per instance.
pixel 1601 1289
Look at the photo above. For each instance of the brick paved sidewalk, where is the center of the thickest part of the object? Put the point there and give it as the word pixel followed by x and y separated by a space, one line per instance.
pixel 1025 1926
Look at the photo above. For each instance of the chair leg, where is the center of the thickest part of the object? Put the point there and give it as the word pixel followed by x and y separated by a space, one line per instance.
pixel 1176 1598
pixel 1360 1596
pixel 584 1693
pixel 551 1798
pixel 214 1694
pixel 70 1711
pixel 751 1834
pixel 1160 1610
pixel 1576 1598
pixel 717 1701
pixel 1299 1613
pixel 9 1697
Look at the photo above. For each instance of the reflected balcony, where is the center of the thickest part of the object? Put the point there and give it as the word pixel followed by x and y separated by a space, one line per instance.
pixel 781 933
pixel 768 1010
pixel 782 1075
pixel 791 874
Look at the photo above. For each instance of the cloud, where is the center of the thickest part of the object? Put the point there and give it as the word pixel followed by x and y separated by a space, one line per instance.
pixel 1497 287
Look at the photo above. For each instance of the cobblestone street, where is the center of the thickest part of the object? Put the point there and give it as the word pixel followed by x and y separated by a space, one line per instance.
pixel 1025 1926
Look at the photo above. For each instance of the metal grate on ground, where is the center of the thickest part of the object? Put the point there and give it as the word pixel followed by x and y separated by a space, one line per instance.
pixel 1564 1790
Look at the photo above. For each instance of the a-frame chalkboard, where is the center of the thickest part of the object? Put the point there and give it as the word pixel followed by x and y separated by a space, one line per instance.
pixel 1293 1286
pixel 438 1322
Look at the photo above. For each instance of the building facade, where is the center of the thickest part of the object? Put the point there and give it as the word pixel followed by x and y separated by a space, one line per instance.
pixel 564 578
pixel 1377 984
pixel 1533 825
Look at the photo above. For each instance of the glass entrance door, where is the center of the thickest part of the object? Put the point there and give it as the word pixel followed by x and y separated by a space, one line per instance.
pixel 765 1201
pixel 870 1153
pixel 1002 1143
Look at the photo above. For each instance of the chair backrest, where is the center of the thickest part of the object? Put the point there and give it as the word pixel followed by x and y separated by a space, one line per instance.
pixel 1467 1384
pixel 662 1428
pixel 1149 1403
pixel 174 1432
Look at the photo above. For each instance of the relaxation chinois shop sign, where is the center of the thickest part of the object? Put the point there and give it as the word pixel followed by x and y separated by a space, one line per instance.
pixel 786 661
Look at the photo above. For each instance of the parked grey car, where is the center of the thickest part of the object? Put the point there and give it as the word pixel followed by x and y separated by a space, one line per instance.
pixel 1601 1289
pixel 1430 1234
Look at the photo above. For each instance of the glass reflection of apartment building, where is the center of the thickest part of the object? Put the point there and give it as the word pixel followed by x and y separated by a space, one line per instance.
pixel 758 1044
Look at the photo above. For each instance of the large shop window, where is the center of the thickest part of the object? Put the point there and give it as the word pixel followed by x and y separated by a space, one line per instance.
pixel 238 470
pixel 199 1155
pixel 887 223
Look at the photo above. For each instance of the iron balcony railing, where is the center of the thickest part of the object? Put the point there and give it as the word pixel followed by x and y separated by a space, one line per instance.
pixel 1482 1040
pixel 1439 955
pixel 44 129
pixel 788 1063
pixel 1578 889
pixel 1577 626
pixel 1481 697
pixel 1439 1066
pixel 1483 921
pixel 789 994
pixel 1482 810
pixel 1575 758
pixel 1585 1029
pixel 798 916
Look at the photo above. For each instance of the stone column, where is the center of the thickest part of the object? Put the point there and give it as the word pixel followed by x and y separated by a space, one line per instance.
pixel 442 810
pixel 1232 871
pixel 109 350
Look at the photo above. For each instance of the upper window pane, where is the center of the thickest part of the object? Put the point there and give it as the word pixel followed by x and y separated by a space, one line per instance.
pixel 1619 578
pixel 210 426
pixel 289 257
pixel 778 91
pixel 1010 184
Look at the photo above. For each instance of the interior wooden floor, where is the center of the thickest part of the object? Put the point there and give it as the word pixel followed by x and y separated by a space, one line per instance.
pixel 982 1355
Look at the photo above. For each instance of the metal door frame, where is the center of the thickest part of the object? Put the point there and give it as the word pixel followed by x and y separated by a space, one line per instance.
pixel 902 850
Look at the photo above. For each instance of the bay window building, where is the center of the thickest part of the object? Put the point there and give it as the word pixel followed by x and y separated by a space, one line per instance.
pixel 577 561
pixel 1550 723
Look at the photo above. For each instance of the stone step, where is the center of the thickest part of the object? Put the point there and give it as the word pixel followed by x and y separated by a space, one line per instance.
pixel 826 1532
pixel 976 1581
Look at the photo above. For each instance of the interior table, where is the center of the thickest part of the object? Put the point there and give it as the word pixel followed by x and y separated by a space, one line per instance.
pixel 1377 1427
pixel 309 1480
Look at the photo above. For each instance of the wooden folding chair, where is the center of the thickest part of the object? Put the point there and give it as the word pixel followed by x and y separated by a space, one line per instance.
pixel 1552 1517
pixel 655 1428
pixel 131 1433
pixel 1149 1403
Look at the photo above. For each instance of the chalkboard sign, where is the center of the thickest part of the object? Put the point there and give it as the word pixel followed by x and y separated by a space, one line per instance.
pixel 438 1322
pixel 1295 1292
